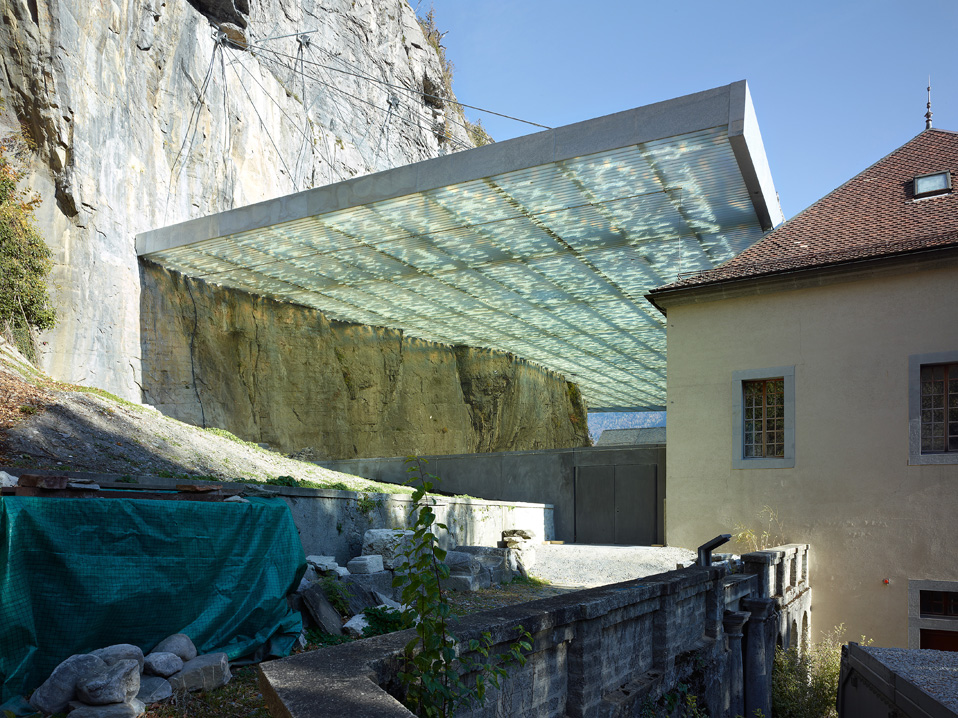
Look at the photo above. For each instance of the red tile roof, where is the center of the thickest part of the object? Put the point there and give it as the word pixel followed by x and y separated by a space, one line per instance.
pixel 874 214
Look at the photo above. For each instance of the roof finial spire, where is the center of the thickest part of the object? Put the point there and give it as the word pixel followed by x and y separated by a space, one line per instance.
pixel 928 114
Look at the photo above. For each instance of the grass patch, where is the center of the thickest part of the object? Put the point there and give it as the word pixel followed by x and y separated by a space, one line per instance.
pixel 530 581
pixel 224 434
pixel 239 697
pixel 102 393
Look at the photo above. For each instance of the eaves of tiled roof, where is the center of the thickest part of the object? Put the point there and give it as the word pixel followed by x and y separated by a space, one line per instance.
pixel 873 215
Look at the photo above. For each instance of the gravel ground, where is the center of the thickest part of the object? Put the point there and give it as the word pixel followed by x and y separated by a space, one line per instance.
pixel 581 566
pixel 935 672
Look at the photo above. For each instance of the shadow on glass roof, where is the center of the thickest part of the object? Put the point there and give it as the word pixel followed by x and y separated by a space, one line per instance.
pixel 542 246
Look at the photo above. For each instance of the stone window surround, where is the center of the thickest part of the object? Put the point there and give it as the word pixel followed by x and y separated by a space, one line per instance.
pixel 738 454
pixel 915 362
pixel 915 620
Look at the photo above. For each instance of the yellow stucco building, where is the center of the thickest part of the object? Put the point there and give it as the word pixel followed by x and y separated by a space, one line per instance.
pixel 817 374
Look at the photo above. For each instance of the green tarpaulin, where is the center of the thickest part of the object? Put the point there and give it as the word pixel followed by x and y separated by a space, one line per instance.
pixel 82 574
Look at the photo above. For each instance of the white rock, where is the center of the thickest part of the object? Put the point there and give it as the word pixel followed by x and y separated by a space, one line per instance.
pixel 8 481
pixel 391 544
pixel 355 625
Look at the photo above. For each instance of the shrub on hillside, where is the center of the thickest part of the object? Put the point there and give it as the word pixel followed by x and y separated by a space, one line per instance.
pixel 24 257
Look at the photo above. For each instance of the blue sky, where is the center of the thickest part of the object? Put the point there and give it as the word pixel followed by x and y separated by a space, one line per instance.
pixel 836 85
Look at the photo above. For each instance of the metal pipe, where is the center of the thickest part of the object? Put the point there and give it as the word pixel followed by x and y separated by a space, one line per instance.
pixel 705 550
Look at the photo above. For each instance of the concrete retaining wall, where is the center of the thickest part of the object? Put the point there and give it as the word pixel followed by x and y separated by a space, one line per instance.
pixel 640 647
pixel 332 522
pixel 538 476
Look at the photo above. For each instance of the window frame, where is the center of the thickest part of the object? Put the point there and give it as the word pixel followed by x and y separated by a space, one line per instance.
pixel 917 620
pixel 931 192
pixel 739 461
pixel 915 363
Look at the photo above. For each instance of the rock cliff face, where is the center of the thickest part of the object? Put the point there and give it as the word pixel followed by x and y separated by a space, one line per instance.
pixel 146 113
pixel 285 375
pixel 142 119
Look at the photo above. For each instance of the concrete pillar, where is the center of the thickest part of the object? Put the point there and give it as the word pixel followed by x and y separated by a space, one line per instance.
pixel 733 623
pixel 758 675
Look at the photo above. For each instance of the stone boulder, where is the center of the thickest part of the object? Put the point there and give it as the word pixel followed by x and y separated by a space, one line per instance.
pixel 381 581
pixel 56 692
pixel 391 544
pixel 321 610
pixel 163 664
pixel 203 673
pixel 355 625
pixel 154 689
pixel 119 652
pixel 130 709
pixel 322 564
pixel 493 562
pixel 365 564
pixel 178 643
pixel 527 534
pixel 464 572
pixel 118 683
pixel 358 596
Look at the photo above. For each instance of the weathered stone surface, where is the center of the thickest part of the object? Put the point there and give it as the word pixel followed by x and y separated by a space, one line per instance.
pixel 322 564
pixel 461 564
pixel 162 663
pixel 355 625
pixel 387 394
pixel 119 652
pixel 358 596
pixel 56 692
pixel 494 562
pixel 203 673
pixel 129 709
pixel 379 582
pixel 114 684
pixel 117 154
pixel 391 544
pixel 521 533
pixel 462 583
pixel 178 643
pixel 7 480
pixel 154 689
pixel 321 610
pixel 365 564
pixel 388 602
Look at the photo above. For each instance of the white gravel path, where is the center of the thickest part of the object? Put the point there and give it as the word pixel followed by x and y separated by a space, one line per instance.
pixel 584 566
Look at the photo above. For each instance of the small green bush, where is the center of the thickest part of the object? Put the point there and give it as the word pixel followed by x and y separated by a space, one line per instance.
pixel 335 594
pixel 25 259
pixel 381 620
pixel 434 661
pixel 282 481
pixel 805 684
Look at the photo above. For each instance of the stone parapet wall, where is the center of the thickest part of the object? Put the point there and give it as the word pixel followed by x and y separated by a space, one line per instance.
pixel 783 571
pixel 621 649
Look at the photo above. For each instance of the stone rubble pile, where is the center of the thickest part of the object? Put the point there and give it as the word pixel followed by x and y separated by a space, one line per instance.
pixel 119 681
pixel 367 580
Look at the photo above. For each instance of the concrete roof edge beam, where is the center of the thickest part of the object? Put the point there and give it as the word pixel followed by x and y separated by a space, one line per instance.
pixel 660 120
pixel 746 141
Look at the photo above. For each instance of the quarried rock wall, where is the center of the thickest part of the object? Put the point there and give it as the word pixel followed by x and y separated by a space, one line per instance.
pixel 286 375
pixel 142 117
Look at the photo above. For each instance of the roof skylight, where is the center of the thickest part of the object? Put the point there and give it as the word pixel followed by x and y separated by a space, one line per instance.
pixel 932 184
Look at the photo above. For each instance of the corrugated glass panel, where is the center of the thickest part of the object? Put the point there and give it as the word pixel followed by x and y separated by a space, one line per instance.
pixel 548 262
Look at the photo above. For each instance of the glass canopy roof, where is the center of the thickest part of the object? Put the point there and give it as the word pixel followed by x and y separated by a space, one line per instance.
pixel 549 262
